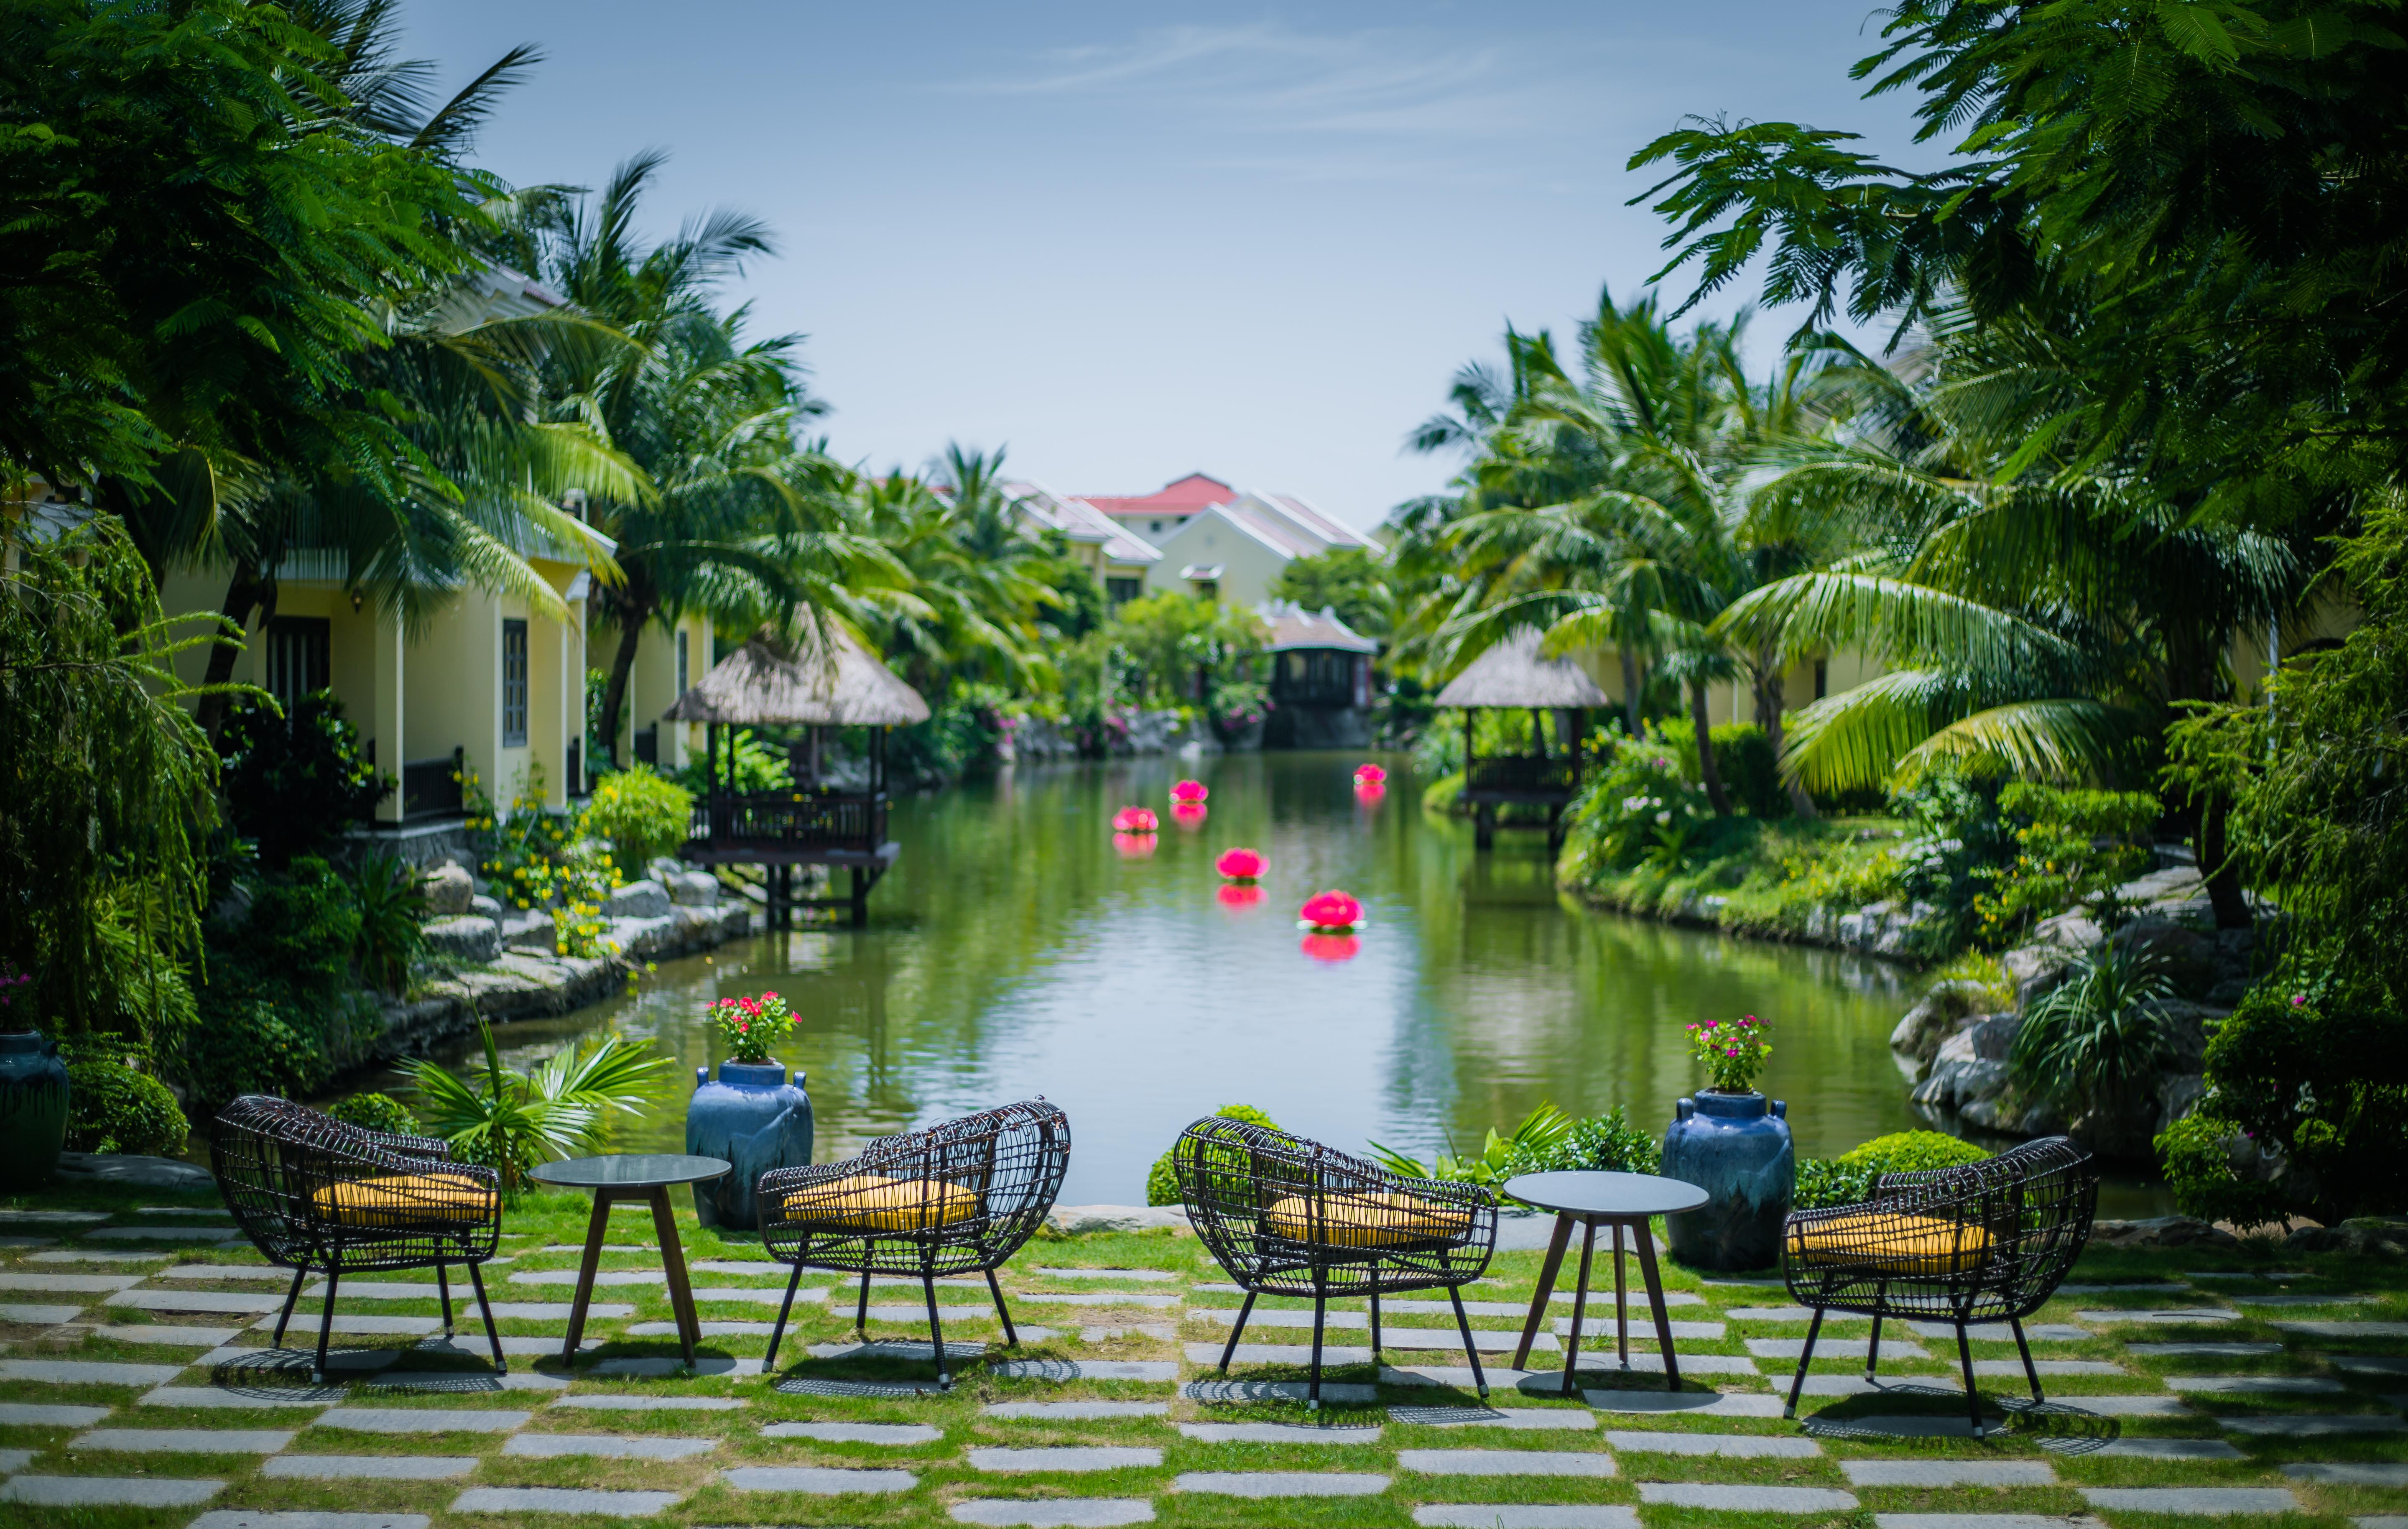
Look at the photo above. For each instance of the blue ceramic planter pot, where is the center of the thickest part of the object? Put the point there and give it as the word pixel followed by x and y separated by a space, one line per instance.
pixel 1736 1147
pixel 755 1119
pixel 32 1107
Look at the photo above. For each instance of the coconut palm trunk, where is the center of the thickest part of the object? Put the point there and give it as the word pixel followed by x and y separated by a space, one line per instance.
pixel 1708 770
pixel 631 619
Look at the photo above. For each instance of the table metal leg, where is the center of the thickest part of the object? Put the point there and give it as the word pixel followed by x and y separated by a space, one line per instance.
pixel 1620 1303
pixel 1547 1272
pixel 597 1232
pixel 1646 1239
pixel 1580 1302
pixel 673 1264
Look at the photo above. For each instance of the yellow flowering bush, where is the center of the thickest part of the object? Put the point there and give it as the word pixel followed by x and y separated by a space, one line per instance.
pixel 642 812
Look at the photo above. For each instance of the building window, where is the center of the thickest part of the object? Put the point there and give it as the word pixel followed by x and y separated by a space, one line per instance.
pixel 514 684
pixel 296 658
pixel 1121 591
pixel 1208 589
pixel 1155 527
pixel 681 669
pixel 1822 678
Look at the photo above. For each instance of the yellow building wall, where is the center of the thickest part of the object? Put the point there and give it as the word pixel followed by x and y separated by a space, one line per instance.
pixel 652 683
pixel 2329 620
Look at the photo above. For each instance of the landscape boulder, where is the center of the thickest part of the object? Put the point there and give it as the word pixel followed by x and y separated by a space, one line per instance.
pixel 2159 1232
pixel 1077 1220
pixel 534 932
pixel 467 938
pixel 446 891
pixel 2035 970
pixel 485 907
pixel 2381 1236
pixel 692 889
pixel 638 900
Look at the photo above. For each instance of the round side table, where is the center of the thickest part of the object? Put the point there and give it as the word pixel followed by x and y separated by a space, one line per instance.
pixel 1592 1200
pixel 647 1177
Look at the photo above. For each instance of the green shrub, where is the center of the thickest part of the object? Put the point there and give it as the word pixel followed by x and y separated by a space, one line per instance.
pixel 279 1012
pixel 641 814
pixel 1848 1178
pixel 1744 755
pixel 1162 1184
pixel 113 1108
pixel 2095 1041
pixel 1610 1144
pixel 393 919
pixel 758 766
pixel 294 785
pixel 2198 1152
pixel 377 1112
pixel 1442 794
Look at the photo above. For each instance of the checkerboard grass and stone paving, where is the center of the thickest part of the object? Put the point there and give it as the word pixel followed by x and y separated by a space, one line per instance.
pixel 137 1389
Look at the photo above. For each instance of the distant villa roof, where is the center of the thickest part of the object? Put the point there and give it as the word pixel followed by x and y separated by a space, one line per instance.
pixel 1512 674
pixel 1294 626
pixel 1081 522
pixel 1184 496
pixel 826 679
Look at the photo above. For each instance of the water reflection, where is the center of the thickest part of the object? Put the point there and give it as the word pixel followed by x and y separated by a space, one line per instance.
pixel 1021 949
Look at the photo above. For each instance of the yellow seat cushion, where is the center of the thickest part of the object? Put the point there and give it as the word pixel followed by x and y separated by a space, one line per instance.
pixel 1891 1243
pixel 875 1202
pixel 404 1200
pixel 1365 1220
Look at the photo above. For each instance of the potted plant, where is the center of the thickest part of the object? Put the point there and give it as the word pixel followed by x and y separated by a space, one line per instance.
pixel 751 1116
pixel 33 1089
pixel 1734 1143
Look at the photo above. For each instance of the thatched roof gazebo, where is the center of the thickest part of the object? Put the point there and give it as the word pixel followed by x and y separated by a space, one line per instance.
pixel 1513 675
pixel 824 679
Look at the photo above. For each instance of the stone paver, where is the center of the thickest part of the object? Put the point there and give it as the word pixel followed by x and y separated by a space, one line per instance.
pixel 2158 1288
pixel 558 1311
pixel 1158 1370
pixel 817 1480
pixel 1729 1446
pixel 1447 1337
pixel 1701 1403
pixel 1276 1432
pixel 652 1404
pixel 601 1276
pixel 1504 1462
pixel 1332 1355
pixel 1857 1385
pixel 2367 1475
pixel 351 1325
pixel 1830 1346
pixel 394 1419
pixel 1997 1332
pixel 2166 1449
pixel 1144 1275
pixel 1948 1473
pixel 165 1336
pixel 372 1290
pixel 246 1303
pixel 901 1434
pixel 251 1397
pixel 1597 1322
pixel 664 1364
pixel 1281 1484
pixel 1068 1411
pixel 1273 1390
pixel 13 1461
pixel 107 1490
pixel 2262 1385
pixel 742 1266
pixel 2300 1300
pixel 2166 1316
pixel 162 1233
pixel 217 1271
pixel 86 1372
pixel 1100 1298
pixel 2345 1330
pixel 2368 1363
pixel 617 1505
pixel 1902 1426
pixel 191 1441
pixel 2217 1501
pixel 1981 1521
pixel 1744 1499
pixel 2125 1406
pixel 367 1468
pixel 33 1315
pixel 2201 1350
pixel 607 1445
pixel 2312 1426
pixel 1485 1417
pixel 466 1380
pixel 1525 1516
pixel 709 1329
pixel 2014 1368
pixel 244 1518
pixel 1058 1513
pixel 67 1284
pixel 1068 1458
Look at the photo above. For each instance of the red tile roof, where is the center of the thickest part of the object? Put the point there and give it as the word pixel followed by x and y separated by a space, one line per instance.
pixel 1185 497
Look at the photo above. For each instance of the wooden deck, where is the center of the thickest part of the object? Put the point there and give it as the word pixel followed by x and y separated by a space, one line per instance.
pixel 779 831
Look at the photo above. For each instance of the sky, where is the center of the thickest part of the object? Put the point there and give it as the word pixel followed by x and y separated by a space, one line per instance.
pixel 1128 242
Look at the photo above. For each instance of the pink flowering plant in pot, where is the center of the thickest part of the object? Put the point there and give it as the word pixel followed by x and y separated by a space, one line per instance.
pixel 1733 1050
pixel 749 1027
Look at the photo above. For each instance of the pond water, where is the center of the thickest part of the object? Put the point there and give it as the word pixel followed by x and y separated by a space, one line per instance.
pixel 1016 950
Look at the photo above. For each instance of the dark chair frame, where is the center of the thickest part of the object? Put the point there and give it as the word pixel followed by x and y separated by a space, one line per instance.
pixel 1230 1172
pixel 2035 1201
pixel 1013 1159
pixel 273 1157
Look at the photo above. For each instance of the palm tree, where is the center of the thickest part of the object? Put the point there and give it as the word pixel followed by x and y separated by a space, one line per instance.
pixel 2040 613
pixel 738 514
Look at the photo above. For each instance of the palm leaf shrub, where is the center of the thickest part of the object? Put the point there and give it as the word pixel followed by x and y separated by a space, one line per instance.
pixel 513 1121
pixel 2095 1041
pixel 392 919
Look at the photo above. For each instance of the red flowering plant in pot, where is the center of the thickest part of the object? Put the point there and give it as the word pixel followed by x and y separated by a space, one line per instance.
pixel 749 1027
pixel 1240 865
pixel 1734 1051
pixel 1330 913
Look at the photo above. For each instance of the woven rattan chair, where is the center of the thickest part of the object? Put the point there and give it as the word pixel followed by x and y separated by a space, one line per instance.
pixel 958 1198
pixel 1289 1216
pixel 1984 1242
pixel 318 1196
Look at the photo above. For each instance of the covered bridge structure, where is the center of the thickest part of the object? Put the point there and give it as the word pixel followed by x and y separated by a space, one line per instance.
pixel 1513 675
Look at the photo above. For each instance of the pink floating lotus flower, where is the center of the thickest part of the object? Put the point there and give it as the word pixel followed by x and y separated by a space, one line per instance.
pixel 1189 791
pixel 1368 793
pixel 1189 814
pixel 1333 912
pixel 1240 864
pixel 1134 820
pixel 1332 948
pixel 1238 894
pixel 1369 774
